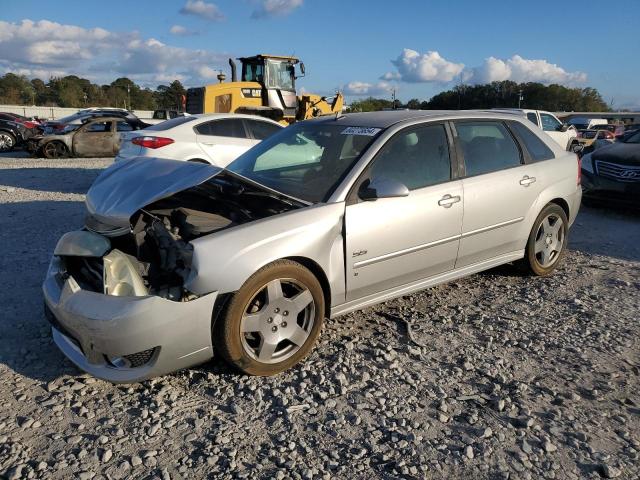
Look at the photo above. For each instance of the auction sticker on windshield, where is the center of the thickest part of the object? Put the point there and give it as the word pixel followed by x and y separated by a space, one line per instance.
pixel 368 131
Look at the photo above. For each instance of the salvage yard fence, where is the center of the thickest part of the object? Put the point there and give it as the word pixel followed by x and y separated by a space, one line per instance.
pixel 53 113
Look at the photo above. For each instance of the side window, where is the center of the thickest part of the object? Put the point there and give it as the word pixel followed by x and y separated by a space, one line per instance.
pixel 537 149
pixel 487 147
pixel 549 123
pixel 223 128
pixel 98 127
pixel 418 157
pixel 262 130
pixel 123 127
pixel 533 118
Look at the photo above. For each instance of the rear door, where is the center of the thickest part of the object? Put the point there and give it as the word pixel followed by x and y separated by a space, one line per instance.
pixel 223 140
pixel 95 139
pixel 499 191
pixel 392 242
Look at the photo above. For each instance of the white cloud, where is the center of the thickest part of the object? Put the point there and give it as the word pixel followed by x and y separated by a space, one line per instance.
pixel 357 88
pixel 202 9
pixel 520 70
pixel 273 8
pixel 45 49
pixel 181 31
pixel 415 67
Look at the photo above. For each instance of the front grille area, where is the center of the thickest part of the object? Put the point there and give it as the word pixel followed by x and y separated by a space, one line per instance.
pixel 621 173
pixel 87 271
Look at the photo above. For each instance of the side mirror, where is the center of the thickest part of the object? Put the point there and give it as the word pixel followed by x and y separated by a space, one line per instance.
pixel 302 68
pixel 577 147
pixel 382 187
pixel 564 127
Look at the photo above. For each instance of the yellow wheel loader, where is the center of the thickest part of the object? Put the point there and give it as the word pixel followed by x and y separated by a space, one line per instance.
pixel 267 87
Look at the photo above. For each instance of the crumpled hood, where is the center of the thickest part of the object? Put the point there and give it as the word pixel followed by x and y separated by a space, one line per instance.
pixel 624 153
pixel 129 185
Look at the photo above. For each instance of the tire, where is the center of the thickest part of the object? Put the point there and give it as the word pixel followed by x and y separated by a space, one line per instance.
pixel 55 150
pixel 547 243
pixel 259 335
pixel 7 141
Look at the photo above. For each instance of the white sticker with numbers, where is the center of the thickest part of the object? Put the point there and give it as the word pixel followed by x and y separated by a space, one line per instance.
pixel 367 131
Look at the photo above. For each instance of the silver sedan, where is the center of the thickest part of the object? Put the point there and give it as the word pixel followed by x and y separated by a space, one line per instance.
pixel 178 261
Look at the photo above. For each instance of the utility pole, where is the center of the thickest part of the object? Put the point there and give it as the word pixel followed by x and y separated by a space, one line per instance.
pixel 393 99
pixel 128 96
pixel 520 97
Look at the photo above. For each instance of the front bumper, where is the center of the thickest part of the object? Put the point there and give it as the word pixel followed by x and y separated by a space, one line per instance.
pixel 609 190
pixel 93 329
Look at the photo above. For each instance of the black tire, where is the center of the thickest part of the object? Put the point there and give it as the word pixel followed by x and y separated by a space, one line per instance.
pixel 241 350
pixel 55 149
pixel 547 243
pixel 7 141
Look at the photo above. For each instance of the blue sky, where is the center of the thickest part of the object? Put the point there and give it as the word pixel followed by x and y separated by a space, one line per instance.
pixel 361 47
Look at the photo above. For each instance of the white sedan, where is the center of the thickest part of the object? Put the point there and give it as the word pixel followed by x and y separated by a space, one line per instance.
pixel 217 139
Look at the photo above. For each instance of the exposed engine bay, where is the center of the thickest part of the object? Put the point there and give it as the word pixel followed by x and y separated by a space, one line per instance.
pixel 157 243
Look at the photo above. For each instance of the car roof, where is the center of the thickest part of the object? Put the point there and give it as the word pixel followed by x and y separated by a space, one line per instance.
pixel 386 119
pixel 212 116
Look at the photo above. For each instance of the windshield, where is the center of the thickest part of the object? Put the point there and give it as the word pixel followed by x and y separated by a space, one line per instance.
pixel 305 161
pixel 174 122
pixel 635 138
pixel 73 117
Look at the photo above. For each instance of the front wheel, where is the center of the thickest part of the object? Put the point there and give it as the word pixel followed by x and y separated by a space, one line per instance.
pixel 547 242
pixel 273 321
pixel 55 150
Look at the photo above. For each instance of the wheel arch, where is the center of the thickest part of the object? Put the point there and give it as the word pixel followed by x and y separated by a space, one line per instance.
pixel 562 203
pixel 320 274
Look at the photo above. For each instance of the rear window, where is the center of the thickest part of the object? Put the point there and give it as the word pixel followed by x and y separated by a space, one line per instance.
pixel 174 122
pixel 537 149
pixel 487 147
pixel 533 118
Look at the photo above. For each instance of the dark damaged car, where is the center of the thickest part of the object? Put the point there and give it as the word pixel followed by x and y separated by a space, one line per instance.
pixel 95 137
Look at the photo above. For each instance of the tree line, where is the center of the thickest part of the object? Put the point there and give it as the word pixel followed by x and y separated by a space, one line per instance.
pixel 76 92
pixel 505 94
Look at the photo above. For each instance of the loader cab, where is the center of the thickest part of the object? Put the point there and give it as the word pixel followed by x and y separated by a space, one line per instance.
pixel 277 77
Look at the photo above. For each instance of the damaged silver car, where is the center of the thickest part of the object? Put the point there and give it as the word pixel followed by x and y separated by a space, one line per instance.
pixel 179 260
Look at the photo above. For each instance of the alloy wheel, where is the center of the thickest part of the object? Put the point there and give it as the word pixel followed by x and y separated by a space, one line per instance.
pixel 549 240
pixel 277 321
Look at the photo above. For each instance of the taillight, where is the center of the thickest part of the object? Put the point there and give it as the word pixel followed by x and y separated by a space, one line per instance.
pixel 152 142
pixel 579 170
pixel 30 125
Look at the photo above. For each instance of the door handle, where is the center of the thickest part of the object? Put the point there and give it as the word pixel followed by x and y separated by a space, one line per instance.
pixel 447 201
pixel 527 180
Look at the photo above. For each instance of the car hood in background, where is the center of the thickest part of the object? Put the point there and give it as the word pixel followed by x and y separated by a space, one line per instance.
pixel 624 153
pixel 129 185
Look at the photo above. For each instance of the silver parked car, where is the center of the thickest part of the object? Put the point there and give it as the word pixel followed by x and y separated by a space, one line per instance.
pixel 179 260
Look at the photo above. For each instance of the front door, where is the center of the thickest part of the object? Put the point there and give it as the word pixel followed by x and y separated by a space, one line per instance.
pixel 391 242
pixel 95 139
pixel 223 140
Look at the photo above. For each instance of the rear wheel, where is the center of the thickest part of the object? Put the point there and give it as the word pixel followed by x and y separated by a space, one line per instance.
pixel 273 321
pixel 55 150
pixel 7 142
pixel 547 242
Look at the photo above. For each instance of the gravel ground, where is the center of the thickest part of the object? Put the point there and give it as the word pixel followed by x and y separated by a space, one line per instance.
pixel 492 377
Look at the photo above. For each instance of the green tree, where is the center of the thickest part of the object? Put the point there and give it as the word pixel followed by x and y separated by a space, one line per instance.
pixel 169 96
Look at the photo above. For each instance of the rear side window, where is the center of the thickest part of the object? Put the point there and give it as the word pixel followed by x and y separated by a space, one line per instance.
pixel 123 127
pixel 418 157
pixel 262 130
pixel 533 118
pixel 222 128
pixel 487 147
pixel 174 122
pixel 537 149
pixel 98 127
